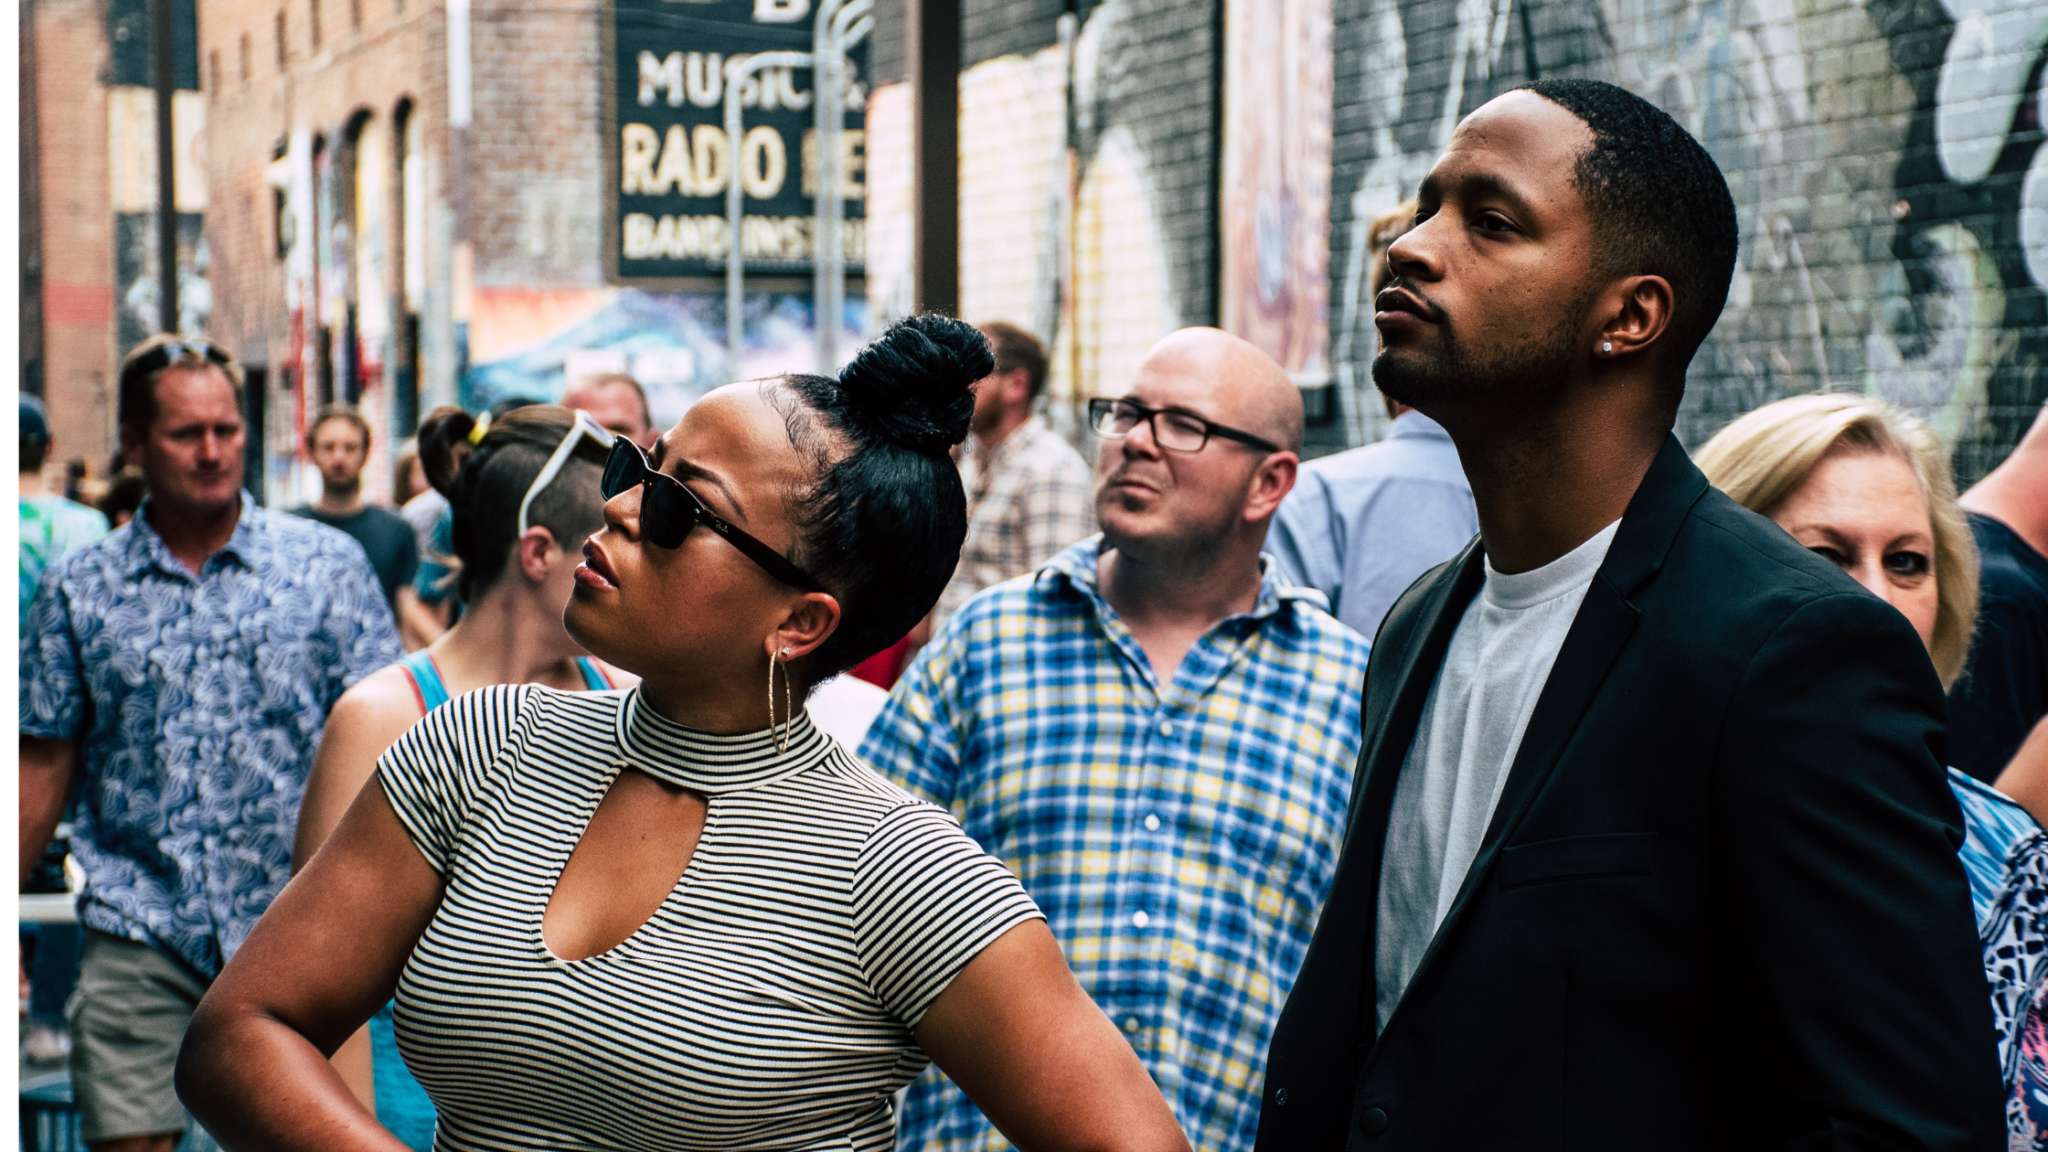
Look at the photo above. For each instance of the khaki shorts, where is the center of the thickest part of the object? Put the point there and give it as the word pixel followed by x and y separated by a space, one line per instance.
pixel 133 1004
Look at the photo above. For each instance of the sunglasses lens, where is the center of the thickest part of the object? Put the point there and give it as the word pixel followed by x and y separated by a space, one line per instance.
pixel 622 470
pixel 666 515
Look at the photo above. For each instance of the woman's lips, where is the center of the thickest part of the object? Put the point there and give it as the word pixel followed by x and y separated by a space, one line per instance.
pixel 595 571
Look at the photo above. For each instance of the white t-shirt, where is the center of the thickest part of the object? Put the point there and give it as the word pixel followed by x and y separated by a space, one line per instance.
pixel 1496 665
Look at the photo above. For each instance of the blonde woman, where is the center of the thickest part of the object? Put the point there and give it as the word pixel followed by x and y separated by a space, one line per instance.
pixel 1869 487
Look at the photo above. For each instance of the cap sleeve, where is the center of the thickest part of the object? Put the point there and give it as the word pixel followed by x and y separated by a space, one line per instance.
pixel 926 900
pixel 433 773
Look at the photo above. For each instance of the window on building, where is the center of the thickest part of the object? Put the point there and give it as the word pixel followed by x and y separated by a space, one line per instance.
pixel 245 57
pixel 355 14
pixel 313 22
pixel 213 68
pixel 283 45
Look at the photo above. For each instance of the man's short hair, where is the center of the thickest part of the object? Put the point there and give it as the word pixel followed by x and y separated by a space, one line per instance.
pixel 1015 350
pixel 1659 202
pixel 337 412
pixel 146 362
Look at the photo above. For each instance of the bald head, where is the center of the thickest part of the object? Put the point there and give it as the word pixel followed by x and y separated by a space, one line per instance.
pixel 1248 389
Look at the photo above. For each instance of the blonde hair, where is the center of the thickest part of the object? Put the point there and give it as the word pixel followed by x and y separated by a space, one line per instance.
pixel 1762 457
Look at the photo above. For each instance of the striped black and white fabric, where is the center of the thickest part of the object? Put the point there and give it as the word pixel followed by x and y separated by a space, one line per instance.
pixel 767 1004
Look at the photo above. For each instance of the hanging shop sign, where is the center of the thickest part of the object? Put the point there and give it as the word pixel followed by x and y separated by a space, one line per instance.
pixel 668 154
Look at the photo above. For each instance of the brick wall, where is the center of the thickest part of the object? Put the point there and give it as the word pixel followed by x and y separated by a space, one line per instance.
pixel 76 221
pixel 282 277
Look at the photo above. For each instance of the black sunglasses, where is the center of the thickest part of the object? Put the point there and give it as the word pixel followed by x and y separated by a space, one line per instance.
pixel 1172 429
pixel 668 510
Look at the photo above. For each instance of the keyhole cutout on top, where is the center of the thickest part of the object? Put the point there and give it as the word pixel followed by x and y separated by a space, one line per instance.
pixel 634 852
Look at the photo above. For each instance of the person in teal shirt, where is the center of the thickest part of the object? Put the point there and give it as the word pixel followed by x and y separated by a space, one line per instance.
pixel 50 524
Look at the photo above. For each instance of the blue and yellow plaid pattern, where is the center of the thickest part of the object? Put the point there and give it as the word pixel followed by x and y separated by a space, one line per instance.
pixel 1179 841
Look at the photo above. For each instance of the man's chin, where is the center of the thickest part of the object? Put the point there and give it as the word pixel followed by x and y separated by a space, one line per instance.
pixel 1399 378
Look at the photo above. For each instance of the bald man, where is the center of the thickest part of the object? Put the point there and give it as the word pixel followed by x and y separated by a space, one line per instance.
pixel 1157 734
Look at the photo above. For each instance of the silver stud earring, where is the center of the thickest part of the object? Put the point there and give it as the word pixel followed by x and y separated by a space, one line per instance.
pixel 1606 346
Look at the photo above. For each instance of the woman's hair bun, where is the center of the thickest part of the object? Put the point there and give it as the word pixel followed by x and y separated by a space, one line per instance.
pixel 441 437
pixel 914 384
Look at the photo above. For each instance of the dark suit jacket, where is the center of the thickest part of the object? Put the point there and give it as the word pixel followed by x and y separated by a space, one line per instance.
pixel 1719 904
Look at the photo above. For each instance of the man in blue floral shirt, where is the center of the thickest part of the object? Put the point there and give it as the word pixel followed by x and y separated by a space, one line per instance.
pixel 175 678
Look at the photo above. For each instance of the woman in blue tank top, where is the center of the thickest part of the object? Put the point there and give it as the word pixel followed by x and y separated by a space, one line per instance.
pixel 524 492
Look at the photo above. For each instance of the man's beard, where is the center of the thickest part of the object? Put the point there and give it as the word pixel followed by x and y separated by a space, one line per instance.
pixel 1453 373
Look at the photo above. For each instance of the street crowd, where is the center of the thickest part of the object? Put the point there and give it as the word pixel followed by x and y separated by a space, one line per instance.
pixel 853 765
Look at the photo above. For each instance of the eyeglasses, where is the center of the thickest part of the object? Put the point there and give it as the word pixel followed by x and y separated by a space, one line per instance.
pixel 580 429
pixel 668 510
pixel 1172 429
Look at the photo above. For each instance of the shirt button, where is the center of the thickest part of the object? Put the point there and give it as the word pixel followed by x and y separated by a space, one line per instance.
pixel 1152 823
pixel 1131 1025
pixel 1139 919
pixel 1280 1097
pixel 1373 1121
pixel 1166 728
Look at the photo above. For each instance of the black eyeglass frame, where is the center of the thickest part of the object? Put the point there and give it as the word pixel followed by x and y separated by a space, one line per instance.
pixel 1102 407
pixel 666 502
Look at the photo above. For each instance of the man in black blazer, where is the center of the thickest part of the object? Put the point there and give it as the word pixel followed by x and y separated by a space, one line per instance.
pixel 1650 845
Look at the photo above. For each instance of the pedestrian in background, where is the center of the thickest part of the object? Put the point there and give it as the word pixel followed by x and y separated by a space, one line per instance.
pixel 2002 694
pixel 1361 525
pixel 524 502
pixel 51 525
pixel 1868 488
pixel 175 677
pixel 338 440
pixel 617 402
pixel 1157 733
pixel 1029 494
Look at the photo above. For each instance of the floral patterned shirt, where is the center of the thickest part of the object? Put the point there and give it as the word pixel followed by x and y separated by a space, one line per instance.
pixel 197 703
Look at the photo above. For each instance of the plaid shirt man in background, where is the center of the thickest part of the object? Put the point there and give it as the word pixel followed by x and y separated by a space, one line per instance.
pixel 1029 494
pixel 1157 735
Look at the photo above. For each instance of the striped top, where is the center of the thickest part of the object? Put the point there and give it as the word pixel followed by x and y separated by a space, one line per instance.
pixel 768 1003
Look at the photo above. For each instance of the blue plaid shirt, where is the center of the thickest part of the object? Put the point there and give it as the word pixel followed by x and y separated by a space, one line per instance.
pixel 1180 842
pixel 198 703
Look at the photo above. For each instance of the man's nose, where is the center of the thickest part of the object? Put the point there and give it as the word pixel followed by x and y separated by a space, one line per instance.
pixel 1413 254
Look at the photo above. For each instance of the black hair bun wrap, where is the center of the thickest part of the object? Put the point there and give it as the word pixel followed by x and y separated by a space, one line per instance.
pixel 914 385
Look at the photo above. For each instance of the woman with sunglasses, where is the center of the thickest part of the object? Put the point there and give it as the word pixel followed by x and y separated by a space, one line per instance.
pixel 524 493
pixel 681 917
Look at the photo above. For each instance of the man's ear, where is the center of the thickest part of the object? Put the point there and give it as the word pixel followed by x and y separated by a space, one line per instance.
pixel 1639 316
pixel 809 622
pixel 1271 483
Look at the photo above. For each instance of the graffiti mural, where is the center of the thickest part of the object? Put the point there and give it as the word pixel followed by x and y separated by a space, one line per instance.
pixel 1885 160
pixel 1277 102
pixel 529 343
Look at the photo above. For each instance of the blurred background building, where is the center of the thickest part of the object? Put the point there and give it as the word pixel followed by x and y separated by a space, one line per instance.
pixel 407 202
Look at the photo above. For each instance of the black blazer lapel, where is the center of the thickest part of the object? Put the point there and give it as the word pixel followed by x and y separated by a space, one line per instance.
pixel 1603 625
pixel 1393 705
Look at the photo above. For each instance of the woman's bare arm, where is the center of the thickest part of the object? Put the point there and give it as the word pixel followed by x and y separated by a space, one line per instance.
pixel 1017 1033
pixel 362 724
pixel 254 1066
